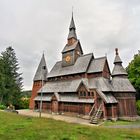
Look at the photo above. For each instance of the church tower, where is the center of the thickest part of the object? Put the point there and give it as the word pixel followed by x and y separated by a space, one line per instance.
pixel 39 80
pixel 118 70
pixel 123 90
pixel 73 48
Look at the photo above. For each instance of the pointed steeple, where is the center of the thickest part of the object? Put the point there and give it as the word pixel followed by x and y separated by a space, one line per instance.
pixel 72 24
pixel 118 69
pixel 120 81
pixel 42 70
pixel 117 57
pixel 72 28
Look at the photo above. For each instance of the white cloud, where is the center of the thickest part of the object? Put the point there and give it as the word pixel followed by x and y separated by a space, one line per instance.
pixel 32 26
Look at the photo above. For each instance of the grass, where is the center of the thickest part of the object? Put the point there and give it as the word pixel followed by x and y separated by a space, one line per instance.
pixel 121 122
pixel 16 127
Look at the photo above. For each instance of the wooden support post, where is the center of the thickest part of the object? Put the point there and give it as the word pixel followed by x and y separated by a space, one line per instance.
pixel 96 107
pixel 104 112
pixel 113 114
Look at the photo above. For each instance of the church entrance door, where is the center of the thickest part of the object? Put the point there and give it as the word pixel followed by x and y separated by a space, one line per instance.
pixel 55 106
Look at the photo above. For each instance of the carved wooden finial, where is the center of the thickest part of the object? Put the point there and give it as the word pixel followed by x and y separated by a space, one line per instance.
pixel 116 51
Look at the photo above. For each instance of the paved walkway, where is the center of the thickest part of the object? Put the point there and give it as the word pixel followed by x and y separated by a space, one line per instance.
pixel 56 117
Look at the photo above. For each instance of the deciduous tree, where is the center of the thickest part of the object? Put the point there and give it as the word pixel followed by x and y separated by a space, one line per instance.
pixel 133 70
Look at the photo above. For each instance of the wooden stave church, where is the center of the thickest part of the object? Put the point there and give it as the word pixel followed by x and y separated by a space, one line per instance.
pixel 81 84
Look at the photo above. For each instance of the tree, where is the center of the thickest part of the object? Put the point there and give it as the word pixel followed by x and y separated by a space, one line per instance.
pixel 2 87
pixel 11 78
pixel 133 70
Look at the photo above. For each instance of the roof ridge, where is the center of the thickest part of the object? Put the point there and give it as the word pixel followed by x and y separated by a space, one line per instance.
pixel 86 54
pixel 100 57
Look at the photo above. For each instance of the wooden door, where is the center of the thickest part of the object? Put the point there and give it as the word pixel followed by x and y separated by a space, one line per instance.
pixel 81 109
pixel 55 106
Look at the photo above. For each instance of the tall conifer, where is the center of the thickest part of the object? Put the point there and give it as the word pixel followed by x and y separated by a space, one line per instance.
pixel 11 78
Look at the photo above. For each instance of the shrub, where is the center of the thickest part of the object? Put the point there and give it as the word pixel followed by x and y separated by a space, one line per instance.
pixel 2 106
pixel 138 107
pixel 24 103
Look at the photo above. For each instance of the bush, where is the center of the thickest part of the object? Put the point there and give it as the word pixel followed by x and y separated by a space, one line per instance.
pixel 24 103
pixel 2 106
pixel 138 107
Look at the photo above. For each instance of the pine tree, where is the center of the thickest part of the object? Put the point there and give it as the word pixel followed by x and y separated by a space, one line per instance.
pixel 12 80
pixel 2 87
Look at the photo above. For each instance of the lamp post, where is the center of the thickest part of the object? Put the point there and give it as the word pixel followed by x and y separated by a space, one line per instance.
pixel 40 110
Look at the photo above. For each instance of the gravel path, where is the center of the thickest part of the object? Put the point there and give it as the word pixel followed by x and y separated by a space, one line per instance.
pixel 56 117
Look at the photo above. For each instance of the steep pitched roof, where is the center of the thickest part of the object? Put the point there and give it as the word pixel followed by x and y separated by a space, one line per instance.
pixel 80 66
pixel 117 59
pixel 100 83
pixel 72 47
pixel 122 85
pixel 69 48
pixel 72 24
pixel 72 29
pixel 97 65
pixel 42 71
pixel 120 82
pixel 61 86
pixel 118 69
pixel 108 98
pixel 72 33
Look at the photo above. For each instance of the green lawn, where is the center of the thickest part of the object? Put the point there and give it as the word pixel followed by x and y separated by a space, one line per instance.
pixel 16 127
pixel 121 122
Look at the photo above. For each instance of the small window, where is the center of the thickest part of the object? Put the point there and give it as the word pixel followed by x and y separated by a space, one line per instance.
pixel 81 94
pixel 92 94
pixel 88 93
pixel 84 93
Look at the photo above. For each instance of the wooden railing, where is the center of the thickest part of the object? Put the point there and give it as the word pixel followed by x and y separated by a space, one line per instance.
pixel 91 110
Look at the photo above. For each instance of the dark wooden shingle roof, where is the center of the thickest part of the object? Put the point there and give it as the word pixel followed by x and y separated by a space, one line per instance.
pixel 80 66
pixel 122 85
pixel 120 81
pixel 118 70
pixel 97 65
pixel 70 48
pixel 61 86
pixel 42 71
pixel 100 83
pixel 107 97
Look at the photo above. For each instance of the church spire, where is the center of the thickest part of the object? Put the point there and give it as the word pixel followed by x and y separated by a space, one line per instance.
pixel 118 69
pixel 117 57
pixel 42 70
pixel 72 28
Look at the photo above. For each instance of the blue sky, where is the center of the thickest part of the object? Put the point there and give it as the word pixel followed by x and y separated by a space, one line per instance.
pixel 34 26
